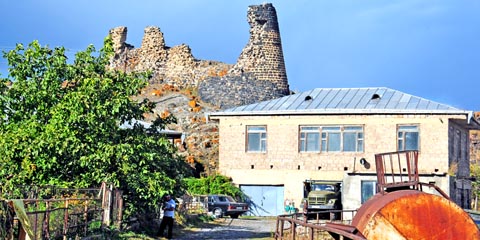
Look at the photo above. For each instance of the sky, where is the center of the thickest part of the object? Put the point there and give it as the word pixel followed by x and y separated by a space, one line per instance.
pixel 427 48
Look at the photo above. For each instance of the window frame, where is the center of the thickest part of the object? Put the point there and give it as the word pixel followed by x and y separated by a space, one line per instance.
pixel 303 145
pixel 359 140
pixel 363 183
pixel 325 135
pixel 261 140
pixel 401 140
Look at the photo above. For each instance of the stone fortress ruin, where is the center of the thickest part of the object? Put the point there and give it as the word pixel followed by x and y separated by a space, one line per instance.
pixel 259 73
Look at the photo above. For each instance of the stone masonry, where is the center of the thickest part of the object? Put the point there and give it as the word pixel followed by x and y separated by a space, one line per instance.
pixel 283 164
pixel 258 75
pixel 263 55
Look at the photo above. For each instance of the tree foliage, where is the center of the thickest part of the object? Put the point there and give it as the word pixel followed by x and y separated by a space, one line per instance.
pixel 475 174
pixel 60 125
pixel 213 184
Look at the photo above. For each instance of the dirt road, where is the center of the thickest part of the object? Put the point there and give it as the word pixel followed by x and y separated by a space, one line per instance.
pixel 227 228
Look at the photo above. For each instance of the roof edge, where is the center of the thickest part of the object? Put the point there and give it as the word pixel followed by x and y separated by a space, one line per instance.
pixel 339 112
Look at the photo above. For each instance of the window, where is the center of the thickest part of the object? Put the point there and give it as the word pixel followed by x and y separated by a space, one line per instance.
pixel 309 139
pixel 256 139
pixel 353 139
pixel 408 137
pixel 331 139
pixel 369 188
pixel 222 199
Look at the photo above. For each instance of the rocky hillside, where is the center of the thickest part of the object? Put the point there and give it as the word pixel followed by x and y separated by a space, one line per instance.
pixel 200 147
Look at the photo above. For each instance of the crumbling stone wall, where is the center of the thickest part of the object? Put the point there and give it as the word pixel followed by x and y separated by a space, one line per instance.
pixel 234 91
pixel 263 55
pixel 169 65
pixel 259 73
pixel 153 51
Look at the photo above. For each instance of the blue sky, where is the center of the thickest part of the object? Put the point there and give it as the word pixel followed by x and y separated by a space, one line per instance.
pixel 427 48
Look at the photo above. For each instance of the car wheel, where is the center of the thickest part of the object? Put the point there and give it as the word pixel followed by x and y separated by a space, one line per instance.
pixel 234 216
pixel 217 212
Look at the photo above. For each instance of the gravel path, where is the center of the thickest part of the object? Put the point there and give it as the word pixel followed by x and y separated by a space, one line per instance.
pixel 227 228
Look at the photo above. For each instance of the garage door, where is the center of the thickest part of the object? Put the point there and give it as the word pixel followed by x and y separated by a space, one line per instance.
pixel 265 200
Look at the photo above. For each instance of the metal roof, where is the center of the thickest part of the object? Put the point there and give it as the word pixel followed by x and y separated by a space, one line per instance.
pixel 379 100
pixel 169 133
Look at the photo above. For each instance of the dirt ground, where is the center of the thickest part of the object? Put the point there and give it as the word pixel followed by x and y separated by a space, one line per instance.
pixel 227 228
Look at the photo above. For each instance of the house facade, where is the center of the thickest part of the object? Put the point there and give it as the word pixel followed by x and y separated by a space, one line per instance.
pixel 270 148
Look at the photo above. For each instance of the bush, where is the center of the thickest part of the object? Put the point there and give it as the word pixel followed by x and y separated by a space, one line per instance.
pixel 214 184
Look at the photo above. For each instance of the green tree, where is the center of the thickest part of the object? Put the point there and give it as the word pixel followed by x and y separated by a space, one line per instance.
pixel 213 184
pixel 475 174
pixel 59 125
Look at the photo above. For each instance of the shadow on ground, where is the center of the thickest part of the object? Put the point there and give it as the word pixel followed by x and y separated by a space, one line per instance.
pixel 243 228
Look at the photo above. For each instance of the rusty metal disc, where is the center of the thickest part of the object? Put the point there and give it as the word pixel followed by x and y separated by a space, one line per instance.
pixel 410 214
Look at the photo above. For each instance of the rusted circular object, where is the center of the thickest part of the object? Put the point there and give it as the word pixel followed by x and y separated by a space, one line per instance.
pixel 409 214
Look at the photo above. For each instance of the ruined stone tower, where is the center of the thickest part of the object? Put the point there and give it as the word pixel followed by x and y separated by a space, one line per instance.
pixel 258 75
pixel 119 36
pixel 263 55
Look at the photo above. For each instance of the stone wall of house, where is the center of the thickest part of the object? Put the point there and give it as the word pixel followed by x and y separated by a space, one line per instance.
pixel 259 73
pixel 283 164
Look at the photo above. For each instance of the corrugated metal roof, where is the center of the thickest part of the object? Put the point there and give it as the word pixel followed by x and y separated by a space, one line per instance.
pixel 379 100
pixel 168 132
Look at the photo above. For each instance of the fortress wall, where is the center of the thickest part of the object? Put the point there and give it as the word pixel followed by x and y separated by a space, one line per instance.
pixel 259 73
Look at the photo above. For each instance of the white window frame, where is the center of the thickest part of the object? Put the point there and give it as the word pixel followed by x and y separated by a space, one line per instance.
pixel 305 132
pixel 402 138
pixel 259 132
pixel 359 136
pixel 325 135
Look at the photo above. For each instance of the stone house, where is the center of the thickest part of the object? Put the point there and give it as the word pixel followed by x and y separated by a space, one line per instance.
pixel 271 147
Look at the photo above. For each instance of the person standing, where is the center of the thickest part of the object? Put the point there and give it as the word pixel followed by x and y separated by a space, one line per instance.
pixel 168 214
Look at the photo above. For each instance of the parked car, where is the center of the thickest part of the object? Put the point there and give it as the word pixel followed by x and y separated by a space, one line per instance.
pixel 223 205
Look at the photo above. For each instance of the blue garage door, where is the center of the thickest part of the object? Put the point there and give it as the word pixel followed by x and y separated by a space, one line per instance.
pixel 264 200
